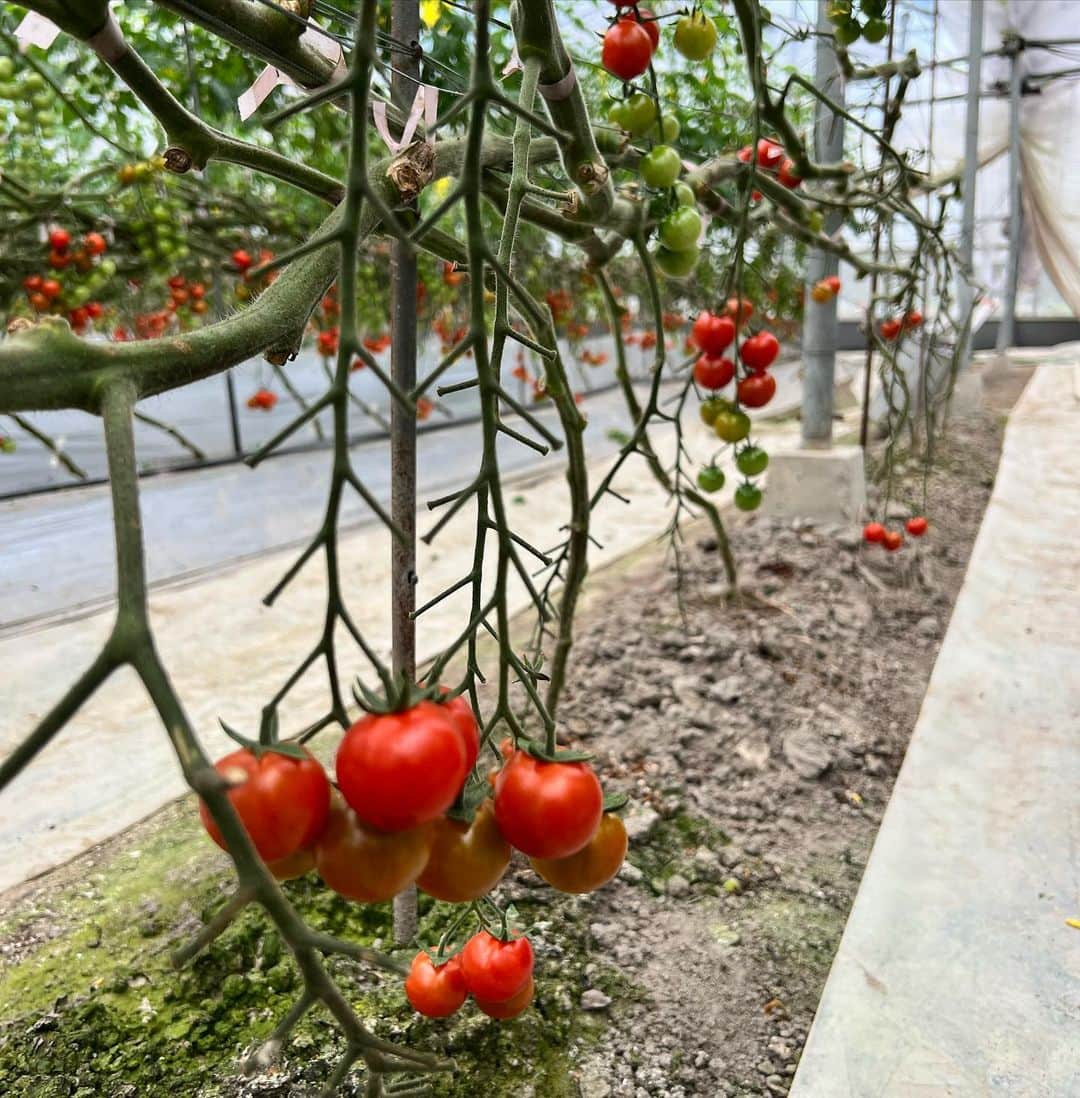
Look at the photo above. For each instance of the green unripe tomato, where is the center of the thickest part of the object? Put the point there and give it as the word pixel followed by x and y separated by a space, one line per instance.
pixel 660 166
pixel 874 30
pixel 838 11
pixel 7 68
pixel 78 295
pixel 873 9
pixel 815 220
pixel 711 479
pixel 679 264
pixel 182 252
pixel 24 127
pixel 846 33
pixel 33 82
pixel 732 425
pixel 42 100
pixel 618 115
pixel 45 119
pixel 695 36
pixel 668 130
pixel 107 268
pixel 684 194
pixel 7 89
pixel 752 461
pixel 711 407
pixel 679 231
pixel 640 114
pixel 23 110
pixel 748 497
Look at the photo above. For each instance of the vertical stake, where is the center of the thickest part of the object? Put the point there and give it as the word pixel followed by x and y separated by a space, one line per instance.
pixel 964 290
pixel 819 320
pixel 404 29
pixel 1013 47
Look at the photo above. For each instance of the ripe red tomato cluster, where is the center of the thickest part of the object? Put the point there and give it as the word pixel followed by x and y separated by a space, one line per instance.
pixel 892 327
pixel 47 294
pixel 875 533
pixel 771 158
pixel 630 42
pixel 497 973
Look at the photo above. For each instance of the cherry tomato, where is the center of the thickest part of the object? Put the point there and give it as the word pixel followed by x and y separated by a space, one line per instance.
pixel 593 865
pixel 676 264
pixel 709 479
pixel 759 351
pixel 873 532
pixel 785 174
pixel 713 334
pixel 892 540
pixel 467 860
pixel 95 243
pixel 547 809
pixel 713 373
pixel 748 497
pixel 58 260
pixel 679 231
pixel 460 712
pixel 660 166
pixel 436 991
pixel 731 425
pixel 711 407
pixel 399 770
pixel 636 114
pixel 514 1006
pixel 368 865
pixel 833 282
pixel 756 390
pixel 695 36
pixel 33 283
pixel 752 461
pixel 917 526
pixel 241 259
pixel 627 49
pixel 39 302
pixel 890 329
pixel 769 154
pixel 745 154
pixel 821 292
pixel 282 802
pixel 684 194
pixel 648 24
pixel 78 317
pixel 95 309
pixel 59 240
pixel 495 971
pixel 741 310
pixel 913 319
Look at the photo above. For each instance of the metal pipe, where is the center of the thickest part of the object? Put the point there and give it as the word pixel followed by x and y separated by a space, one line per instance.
pixel 965 290
pixel 405 28
pixel 819 322
pixel 1006 333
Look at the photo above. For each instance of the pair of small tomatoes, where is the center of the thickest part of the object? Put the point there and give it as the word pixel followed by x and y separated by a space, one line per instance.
pixel 629 43
pixel 874 533
pixel 497 973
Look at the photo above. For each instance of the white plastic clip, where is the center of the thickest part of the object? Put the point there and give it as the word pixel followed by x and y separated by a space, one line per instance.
pixel 36 30
pixel 425 103
pixel 263 85
pixel 109 42
pixel 561 89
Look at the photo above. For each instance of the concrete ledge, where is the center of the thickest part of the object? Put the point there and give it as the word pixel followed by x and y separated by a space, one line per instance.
pixel 828 485
pixel 958 974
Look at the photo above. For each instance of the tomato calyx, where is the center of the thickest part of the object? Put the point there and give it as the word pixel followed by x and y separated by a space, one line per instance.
pixel 615 802
pixel 267 743
pixel 400 694
pixel 539 750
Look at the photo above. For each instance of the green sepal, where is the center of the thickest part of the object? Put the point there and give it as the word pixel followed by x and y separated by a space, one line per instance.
pixel 538 750
pixel 288 748
pixel 615 802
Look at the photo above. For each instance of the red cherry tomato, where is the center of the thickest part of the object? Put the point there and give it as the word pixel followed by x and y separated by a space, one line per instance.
pixel 769 154
pixel 713 373
pixel 890 329
pixel 59 240
pixel 467 860
pixel 785 174
pixel 368 865
pixel 627 49
pixel 39 302
pixel 464 720
pixel 282 802
pixel 512 1007
pixel 399 770
pixel 913 319
pixel 95 309
pixel 833 282
pixel 712 334
pixel 756 390
pixel 873 532
pixel 547 809
pixel 759 351
pixel 496 970
pixel 58 260
pixel 295 865
pixel 745 154
pixel 436 991
pixel 649 24
pixel 95 243
pixel 593 865
pixel 740 310
pixel 33 283
pixel 917 526
pixel 892 540
pixel 79 317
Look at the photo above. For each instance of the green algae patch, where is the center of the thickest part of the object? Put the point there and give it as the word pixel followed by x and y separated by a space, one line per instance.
pixel 93 1007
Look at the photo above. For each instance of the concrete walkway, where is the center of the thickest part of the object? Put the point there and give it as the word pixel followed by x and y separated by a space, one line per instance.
pixel 957 974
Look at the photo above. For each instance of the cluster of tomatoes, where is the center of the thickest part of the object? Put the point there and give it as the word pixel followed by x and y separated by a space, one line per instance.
pixel 386 828
pixel 826 289
pixel 634 36
pixel 892 327
pixel 874 533
pixel 87 272
pixel 847 29
pixel 713 334
pixel 771 158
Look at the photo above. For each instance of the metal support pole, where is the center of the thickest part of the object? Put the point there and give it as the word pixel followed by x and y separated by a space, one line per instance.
pixel 404 28
pixel 819 322
pixel 1006 331
pixel 965 291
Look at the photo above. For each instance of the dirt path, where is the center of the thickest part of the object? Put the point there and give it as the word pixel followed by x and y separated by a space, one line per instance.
pixel 759 743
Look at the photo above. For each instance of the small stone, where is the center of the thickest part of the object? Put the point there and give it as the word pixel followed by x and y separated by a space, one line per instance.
pixel 640 823
pixel 806 754
pixel 630 873
pixel 727 690
pixel 678 886
pixel 595 1000
pixel 927 626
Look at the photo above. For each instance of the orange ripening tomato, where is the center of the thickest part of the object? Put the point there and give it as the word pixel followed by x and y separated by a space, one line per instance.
pixel 295 865
pixel 592 866
pixel 512 1007
pixel 467 860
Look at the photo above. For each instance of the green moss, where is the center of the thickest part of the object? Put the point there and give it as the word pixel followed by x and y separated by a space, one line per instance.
pixel 93 1006
pixel 670 848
